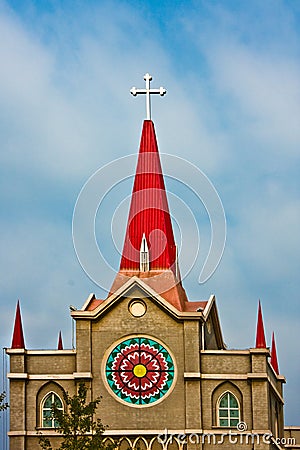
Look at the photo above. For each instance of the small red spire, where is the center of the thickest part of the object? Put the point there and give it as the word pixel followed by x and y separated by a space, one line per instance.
pixel 260 332
pixel 274 360
pixel 60 342
pixel 149 214
pixel 18 337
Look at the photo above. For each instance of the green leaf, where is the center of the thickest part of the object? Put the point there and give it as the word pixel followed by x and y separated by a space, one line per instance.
pixel 77 424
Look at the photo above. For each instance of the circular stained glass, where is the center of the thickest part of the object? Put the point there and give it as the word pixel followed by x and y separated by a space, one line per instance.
pixel 140 371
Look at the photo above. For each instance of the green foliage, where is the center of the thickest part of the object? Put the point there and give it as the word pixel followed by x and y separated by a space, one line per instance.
pixel 3 404
pixel 77 425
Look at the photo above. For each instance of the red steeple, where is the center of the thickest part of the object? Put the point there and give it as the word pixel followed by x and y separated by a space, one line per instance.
pixel 260 332
pixel 149 242
pixel 18 337
pixel 274 361
pixel 60 342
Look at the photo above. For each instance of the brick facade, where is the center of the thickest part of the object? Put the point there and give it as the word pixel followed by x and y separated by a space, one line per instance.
pixel 202 376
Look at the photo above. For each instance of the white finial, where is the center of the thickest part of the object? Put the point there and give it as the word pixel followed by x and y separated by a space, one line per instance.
pixel 144 255
pixel 161 91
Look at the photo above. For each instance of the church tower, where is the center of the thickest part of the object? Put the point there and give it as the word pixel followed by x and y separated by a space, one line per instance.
pixel 158 360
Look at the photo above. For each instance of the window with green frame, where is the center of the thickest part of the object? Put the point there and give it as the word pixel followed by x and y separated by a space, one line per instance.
pixel 228 410
pixel 47 419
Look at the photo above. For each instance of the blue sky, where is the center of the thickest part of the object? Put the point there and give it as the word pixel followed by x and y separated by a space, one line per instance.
pixel 232 108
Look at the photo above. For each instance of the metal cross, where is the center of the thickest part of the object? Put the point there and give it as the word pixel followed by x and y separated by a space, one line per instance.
pixel 161 91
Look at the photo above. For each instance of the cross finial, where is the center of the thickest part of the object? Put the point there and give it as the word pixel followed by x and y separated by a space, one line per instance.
pixel 161 91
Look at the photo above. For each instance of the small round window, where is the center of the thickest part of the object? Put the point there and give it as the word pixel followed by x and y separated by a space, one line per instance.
pixel 137 308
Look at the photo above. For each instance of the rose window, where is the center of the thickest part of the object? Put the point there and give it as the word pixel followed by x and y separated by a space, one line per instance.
pixel 140 371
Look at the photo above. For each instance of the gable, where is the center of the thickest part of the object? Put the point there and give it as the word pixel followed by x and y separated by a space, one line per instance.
pixel 134 287
pixel 213 339
pixel 135 310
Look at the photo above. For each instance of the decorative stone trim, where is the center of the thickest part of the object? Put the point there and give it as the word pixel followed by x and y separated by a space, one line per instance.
pixel 23 351
pixel 16 351
pixel 50 376
pixel 258 375
pixel 215 376
pixel 17 376
pixel 77 375
pixel 51 352
pixel 225 352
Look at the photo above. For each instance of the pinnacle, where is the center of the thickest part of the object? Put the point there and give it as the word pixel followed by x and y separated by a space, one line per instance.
pixel 18 336
pixel 260 332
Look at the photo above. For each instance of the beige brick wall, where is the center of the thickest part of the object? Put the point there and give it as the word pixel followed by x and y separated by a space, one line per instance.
pixel 259 363
pixel 225 362
pixel 17 403
pixel 17 363
pixel 32 442
pixel 117 324
pixel 83 346
pixel 17 443
pixel 191 404
pixel 260 405
pixel 54 364
pixel 292 436
pixel 191 331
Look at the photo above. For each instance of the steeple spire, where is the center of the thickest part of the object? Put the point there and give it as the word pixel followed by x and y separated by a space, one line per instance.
pixel 18 336
pixel 60 342
pixel 149 217
pixel 274 360
pixel 149 250
pixel 260 332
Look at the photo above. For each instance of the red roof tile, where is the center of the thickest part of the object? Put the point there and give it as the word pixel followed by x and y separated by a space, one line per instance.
pixel 162 282
pixel 195 306
pixel 93 304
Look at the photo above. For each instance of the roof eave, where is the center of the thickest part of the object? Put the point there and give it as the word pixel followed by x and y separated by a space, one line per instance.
pixel 123 291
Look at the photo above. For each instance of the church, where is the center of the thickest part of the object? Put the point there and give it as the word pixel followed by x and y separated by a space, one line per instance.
pixel 156 357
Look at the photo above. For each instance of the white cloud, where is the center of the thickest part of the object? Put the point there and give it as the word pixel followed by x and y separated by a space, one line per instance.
pixel 268 235
pixel 265 90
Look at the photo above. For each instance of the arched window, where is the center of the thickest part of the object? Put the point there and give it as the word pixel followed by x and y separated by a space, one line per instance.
pixel 47 420
pixel 228 410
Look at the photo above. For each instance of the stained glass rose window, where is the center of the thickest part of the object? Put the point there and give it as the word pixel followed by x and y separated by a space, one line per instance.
pixel 140 371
